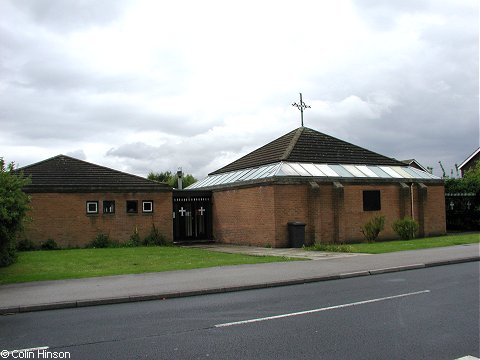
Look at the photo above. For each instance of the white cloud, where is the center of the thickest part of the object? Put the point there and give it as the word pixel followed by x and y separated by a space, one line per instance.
pixel 154 85
pixel 77 154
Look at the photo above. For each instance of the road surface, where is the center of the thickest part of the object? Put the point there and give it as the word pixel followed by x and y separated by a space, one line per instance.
pixel 430 313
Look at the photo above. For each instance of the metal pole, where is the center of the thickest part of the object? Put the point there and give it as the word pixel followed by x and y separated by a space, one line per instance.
pixel 301 107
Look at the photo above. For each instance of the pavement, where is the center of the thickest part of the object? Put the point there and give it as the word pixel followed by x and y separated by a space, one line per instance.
pixel 58 294
pixel 285 252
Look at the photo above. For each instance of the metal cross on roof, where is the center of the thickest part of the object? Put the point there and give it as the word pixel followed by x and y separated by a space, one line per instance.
pixel 301 106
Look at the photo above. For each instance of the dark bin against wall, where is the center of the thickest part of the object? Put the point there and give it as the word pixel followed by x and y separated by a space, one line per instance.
pixel 296 234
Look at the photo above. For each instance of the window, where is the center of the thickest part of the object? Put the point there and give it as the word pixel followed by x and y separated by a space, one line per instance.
pixel 92 207
pixel 371 200
pixel 132 206
pixel 147 206
pixel 109 207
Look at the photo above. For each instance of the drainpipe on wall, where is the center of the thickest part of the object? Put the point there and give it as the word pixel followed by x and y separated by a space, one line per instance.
pixel 411 201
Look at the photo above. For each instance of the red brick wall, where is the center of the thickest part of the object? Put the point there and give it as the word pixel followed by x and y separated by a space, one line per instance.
pixel 435 221
pixel 291 204
pixel 326 214
pixel 244 216
pixel 63 218
pixel 259 215
pixel 355 217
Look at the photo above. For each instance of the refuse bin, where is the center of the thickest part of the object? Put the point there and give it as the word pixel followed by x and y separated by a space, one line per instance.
pixel 296 234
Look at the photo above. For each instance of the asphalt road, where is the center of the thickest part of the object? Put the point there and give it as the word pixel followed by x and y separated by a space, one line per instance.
pixel 430 313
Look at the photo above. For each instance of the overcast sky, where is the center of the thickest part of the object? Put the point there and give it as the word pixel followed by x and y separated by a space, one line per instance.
pixel 145 86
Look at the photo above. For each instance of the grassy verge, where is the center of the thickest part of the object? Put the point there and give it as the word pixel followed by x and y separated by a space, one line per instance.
pixel 400 245
pixel 82 263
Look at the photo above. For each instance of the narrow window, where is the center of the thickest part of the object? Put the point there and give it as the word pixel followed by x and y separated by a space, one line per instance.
pixel 109 207
pixel 371 200
pixel 92 207
pixel 147 206
pixel 132 206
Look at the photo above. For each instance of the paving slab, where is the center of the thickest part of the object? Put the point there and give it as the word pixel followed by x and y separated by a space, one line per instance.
pixel 283 252
pixel 43 295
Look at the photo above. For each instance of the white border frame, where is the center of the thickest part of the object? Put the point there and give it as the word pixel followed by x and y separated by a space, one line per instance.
pixel 147 202
pixel 92 203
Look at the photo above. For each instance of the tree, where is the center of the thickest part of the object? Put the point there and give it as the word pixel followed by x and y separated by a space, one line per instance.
pixel 14 205
pixel 163 177
pixel 171 179
pixel 470 183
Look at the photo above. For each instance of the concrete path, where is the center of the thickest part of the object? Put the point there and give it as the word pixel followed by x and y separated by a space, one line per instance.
pixel 44 295
pixel 284 252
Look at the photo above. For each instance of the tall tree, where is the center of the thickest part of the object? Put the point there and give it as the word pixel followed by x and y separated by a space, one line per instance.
pixel 171 179
pixel 14 205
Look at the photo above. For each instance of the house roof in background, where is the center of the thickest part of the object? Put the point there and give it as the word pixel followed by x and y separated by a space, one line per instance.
pixel 64 174
pixel 414 163
pixel 467 160
pixel 305 145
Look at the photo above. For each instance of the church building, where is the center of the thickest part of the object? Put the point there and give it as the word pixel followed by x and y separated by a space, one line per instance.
pixel 331 186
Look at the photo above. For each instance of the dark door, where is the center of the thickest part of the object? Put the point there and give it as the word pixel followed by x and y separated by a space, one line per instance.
pixel 192 218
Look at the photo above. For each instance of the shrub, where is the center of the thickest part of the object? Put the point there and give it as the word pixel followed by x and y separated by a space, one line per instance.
pixel 14 205
pixel 102 241
pixel 134 240
pixel 373 227
pixel 50 244
pixel 406 228
pixel 26 245
pixel 154 238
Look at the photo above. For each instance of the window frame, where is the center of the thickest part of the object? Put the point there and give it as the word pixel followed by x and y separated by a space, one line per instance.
pixel 127 206
pixel 372 200
pixel 91 202
pixel 106 207
pixel 143 206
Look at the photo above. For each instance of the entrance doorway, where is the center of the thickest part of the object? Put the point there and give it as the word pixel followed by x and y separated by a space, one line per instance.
pixel 192 215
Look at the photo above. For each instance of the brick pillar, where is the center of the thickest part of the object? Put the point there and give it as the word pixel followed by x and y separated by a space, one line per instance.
pixel 338 212
pixel 314 223
pixel 422 203
pixel 404 200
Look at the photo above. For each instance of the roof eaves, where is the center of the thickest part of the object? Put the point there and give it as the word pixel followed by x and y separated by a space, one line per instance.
pixel 93 189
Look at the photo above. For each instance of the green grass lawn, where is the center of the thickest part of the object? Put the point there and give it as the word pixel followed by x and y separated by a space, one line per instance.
pixel 82 263
pixel 401 245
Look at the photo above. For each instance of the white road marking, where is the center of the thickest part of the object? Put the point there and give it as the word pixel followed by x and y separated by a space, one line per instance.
pixel 321 309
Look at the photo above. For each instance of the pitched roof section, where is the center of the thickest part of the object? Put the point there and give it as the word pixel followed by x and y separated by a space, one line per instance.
pixel 66 174
pixel 414 163
pixel 309 146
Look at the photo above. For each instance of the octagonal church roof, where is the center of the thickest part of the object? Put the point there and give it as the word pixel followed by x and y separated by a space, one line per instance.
pixel 305 152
